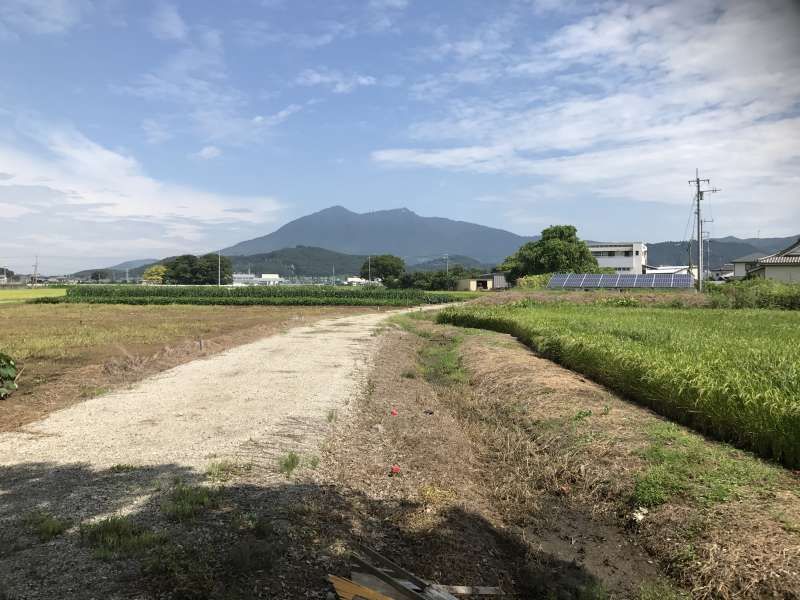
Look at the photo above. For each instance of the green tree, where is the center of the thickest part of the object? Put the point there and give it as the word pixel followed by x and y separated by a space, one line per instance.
pixel 155 274
pixel 385 267
pixel 97 276
pixel 557 251
pixel 189 269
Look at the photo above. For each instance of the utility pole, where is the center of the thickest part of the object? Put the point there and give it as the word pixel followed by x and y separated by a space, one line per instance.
pixel 334 275
pixel 369 268
pixel 698 212
pixel 447 264
pixel 219 269
pixel 36 270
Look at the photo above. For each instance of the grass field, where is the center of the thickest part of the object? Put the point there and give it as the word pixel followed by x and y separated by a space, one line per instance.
pixel 11 296
pixel 734 375
pixel 257 295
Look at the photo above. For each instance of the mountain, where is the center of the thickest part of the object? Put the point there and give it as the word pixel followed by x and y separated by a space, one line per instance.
pixel 721 251
pixel 307 261
pixel 134 268
pixel 399 231
pixel 133 264
pixel 440 264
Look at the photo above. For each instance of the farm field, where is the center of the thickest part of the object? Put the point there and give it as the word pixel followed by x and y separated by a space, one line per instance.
pixel 69 352
pixel 10 296
pixel 266 295
pixel 733 375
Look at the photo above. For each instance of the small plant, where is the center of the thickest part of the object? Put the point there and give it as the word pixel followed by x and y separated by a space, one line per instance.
pixel 8 375
pixel 186 502
pixel 45 525
pixel 122 468
pixel 288 463
pixel 409 374
pixel 582 415
pixel 313 462
pixel 332 415
pixel 225 469
pixel 117 537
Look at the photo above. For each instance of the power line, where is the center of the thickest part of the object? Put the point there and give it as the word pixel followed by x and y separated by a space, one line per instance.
pixel 698 212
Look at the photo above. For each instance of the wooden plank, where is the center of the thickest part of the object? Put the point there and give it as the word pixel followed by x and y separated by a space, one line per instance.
pixel 469 590
pixel 348 590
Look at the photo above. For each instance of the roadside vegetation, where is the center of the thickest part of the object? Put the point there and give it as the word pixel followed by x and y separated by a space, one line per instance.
pixel 15 295
pixel 732 375
pixel 260 295
pixel 755 293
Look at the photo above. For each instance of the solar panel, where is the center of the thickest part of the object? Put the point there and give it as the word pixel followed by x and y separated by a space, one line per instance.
pixel 622 280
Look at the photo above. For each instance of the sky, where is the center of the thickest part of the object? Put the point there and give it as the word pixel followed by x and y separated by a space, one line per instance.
pixel 142 129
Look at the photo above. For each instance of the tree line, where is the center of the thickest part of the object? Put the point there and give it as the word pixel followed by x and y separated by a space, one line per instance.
pixel 189 269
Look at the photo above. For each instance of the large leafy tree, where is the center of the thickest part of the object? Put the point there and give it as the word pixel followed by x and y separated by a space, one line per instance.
pixel 189 269
pixel 155 274
pixel 385 267
pixel 557 251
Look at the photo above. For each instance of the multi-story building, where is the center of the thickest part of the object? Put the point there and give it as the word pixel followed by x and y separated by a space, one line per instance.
pixel 623 257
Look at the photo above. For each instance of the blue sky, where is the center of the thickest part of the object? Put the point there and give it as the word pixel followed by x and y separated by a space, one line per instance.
pixel 133 129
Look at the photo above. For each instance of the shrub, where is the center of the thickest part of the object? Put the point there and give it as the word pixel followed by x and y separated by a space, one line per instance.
pixel 756 293
pixel 8 375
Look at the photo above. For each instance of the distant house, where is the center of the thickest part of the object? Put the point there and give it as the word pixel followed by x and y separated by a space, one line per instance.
pixel 623 257
pixel 671 270
pixel 263 279
pixel 781 266
pixel 744 264
pixel 270 279
pixel 356 281
pixel 485 282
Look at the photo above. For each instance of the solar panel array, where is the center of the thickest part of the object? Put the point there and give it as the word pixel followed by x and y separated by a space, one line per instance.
pixel 622 280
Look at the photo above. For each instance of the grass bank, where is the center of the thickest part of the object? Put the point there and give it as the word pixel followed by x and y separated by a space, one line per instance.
pixel 732 375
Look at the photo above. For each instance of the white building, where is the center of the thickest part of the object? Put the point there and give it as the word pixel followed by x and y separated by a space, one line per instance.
pixel 263 279
pixel 270 279
pixel 623 257
pixel 244 279
pixel 672 270
pixel 781 266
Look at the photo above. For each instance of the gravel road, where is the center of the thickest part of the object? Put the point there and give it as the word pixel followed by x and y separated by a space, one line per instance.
pixel 209 408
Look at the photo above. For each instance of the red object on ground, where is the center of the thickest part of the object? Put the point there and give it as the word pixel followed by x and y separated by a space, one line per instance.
pixel 395 470
pixel 394 412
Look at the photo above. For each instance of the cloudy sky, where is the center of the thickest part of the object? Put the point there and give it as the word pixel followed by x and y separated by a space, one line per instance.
pixel 135 129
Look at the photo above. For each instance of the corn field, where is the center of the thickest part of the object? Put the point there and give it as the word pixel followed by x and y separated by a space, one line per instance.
pixel 266 295
pixel 734 375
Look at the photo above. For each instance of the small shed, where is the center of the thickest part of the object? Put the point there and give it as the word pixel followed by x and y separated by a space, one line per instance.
pixel 485 282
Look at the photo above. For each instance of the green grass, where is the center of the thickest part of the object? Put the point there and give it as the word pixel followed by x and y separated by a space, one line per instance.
pixel 117 537
pixel 122 468
pixel 680 463
pixel 734 375
pixel 186 502
pixel 46 526
pixel 11 296
pixel 440 360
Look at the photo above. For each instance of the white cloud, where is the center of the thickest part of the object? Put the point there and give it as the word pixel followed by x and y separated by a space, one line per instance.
pixel 167 24
pixel 208 152
pixel 12 211
pixel 339 83
pixel 41 16
pixel 155 132
pixel 98 184
pixel 624 103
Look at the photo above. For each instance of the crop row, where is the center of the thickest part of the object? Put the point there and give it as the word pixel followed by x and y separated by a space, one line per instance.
pixel 199 291
pixel 252 300
pixel 732 375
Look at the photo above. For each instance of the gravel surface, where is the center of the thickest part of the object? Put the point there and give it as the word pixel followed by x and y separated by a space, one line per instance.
pixel 207 408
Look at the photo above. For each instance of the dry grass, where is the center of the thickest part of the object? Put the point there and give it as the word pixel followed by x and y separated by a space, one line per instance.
pixel 70 352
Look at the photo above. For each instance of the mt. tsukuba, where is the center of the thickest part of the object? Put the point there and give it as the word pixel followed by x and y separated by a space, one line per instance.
pixel 399 231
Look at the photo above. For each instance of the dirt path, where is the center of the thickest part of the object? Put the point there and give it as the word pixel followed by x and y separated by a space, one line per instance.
pixel 208 408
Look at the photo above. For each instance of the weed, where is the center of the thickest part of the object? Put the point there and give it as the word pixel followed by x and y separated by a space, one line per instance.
pixel 313 462
pixel 117 537
pixel 332 415
pixel 122 468
pixel 289 462
pixel 441 361
pixel 582 415
pixel 187 502
pixel 225 469
pixel 46 526
pixel 409 374
pixel 660 590
pixel 679 462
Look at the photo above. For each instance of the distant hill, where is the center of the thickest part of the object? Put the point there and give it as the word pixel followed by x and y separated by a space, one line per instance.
pixel 306 261
pixel 399 231
pixel 721 251
pixel 134 268
pixel 440 264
